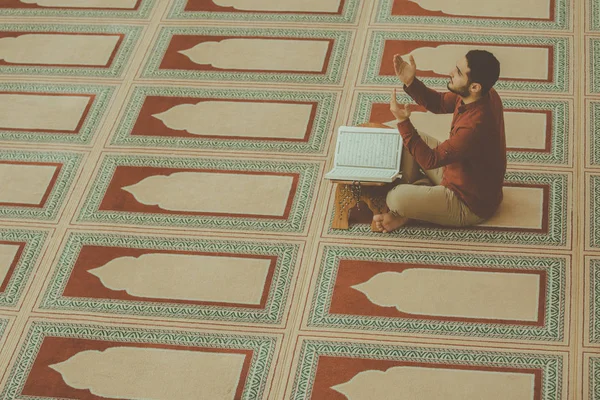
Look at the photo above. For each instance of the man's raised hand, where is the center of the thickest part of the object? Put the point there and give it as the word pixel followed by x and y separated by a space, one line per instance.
pixel 401 113
pixel 405 71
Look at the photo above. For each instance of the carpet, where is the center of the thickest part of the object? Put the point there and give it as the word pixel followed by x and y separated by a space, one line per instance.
pixel 166 228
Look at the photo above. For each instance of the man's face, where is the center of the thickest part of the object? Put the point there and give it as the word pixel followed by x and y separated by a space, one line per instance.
pixel 459 81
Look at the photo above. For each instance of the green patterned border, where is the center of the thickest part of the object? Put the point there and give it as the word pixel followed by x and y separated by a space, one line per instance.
pixel 326 102
pixel 90 125
pixel 594 378
pixel 131 32
pixel 559 151
pixel 594 15
pixel 594 301
pixel 271 314
pixel 550 364
pixel 348 15
pixel 309 173
pixel 70 162
pixel 594 132
pixel 333 75
pixel 594 212
pixel 594 57
pixel 3 325
pixel 552 330
pixel 34 241
pixel 561 46
pixel 262 346
pixel 142 13
pixel 557 221
pixel 561 19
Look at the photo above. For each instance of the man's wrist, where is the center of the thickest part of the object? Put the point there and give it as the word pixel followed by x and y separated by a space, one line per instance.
pixel 407 84
pixel 405 129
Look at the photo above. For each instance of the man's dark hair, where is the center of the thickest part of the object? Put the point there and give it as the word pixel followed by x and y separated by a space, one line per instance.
pixel 485 69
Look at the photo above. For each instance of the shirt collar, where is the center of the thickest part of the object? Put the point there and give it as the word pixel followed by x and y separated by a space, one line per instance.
pixel 476 104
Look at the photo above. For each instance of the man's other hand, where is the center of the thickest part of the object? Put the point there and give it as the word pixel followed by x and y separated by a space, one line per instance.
pixel 402 113
pixel 405 71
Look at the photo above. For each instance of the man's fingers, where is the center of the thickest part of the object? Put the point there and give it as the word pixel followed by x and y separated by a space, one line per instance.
pixel 412 61
pixel 393 101
pixel 397 63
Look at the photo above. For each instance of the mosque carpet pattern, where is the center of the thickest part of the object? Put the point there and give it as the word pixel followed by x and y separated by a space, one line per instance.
pixel 166 230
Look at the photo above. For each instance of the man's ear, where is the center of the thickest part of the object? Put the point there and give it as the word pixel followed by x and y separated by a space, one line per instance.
pixel 475 88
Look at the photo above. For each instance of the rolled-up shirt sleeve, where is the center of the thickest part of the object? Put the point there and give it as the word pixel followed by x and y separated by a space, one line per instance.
pixel 433 101
pixel 458 147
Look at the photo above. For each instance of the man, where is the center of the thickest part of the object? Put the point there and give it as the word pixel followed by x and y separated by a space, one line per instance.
pixel 467 170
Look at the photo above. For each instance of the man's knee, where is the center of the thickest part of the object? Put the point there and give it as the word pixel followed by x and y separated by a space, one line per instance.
pixel 397 199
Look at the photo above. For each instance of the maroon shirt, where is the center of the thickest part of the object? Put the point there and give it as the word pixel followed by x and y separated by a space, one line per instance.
pixel 474 157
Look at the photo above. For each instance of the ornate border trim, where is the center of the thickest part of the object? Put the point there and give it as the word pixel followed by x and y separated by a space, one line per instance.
pixel 131 32
pixel 271 314
pixel 333 76
pixel 3 325
pixel 34 241
pixel 553 329
pixel 317 141
pixel 309 172
pixel 143 12
pixel 70 162
pixel 594 132
pixel 348 15
pixel 594 211
pixel 594 378
pixel 561 20
pixel 557 220
pixel 263 347
pixel 90 125
pixel 561 46
pixel 594 306
pixel 594 15
pixel 552 365
pixel 594 64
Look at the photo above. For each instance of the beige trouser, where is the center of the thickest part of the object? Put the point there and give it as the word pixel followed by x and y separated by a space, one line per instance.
pixel 436 204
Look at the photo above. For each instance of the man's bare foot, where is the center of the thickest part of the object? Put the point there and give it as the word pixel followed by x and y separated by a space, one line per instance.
pixel 389 222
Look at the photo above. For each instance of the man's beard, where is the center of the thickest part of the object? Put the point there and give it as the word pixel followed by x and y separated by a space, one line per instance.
pixel 462 92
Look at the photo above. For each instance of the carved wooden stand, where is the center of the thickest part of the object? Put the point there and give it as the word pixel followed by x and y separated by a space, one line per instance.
pixel 349 194
pixel 372 193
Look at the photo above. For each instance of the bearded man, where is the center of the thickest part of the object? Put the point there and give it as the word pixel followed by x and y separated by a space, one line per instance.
pixel 464 175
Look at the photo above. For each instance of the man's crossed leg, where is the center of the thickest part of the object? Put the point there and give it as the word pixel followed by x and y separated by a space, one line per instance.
pixel 423 198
